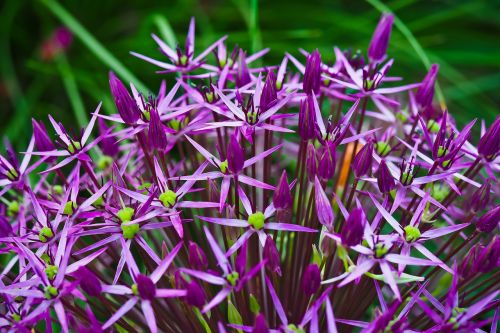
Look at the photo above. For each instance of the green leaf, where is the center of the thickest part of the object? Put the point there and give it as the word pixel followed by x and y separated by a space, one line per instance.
pixel 233 316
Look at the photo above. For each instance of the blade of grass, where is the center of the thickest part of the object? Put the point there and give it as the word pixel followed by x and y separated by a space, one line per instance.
pixel 93 44
pixel 413 42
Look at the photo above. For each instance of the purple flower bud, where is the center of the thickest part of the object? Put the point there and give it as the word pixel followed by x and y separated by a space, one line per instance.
pixel 145 287
pixel 272 256
pixel 385 180
pixel 5 227
pixel 88 281
pixel 324 209
pixel 481 197
pixel 260 325
pixel 380 39
pixel 362 162
pixel 196 257
pixel 242 74
pixel 63 37
pixel 42 140
pixel 326 165
pixel 282 198
pixel 307 119
pixel 489 144
pixel 353 229
pixel 108 145
pixel 312 74
pixel 489 221
pixel 425 92
pixel 269 95
pixel 311 164
pixel 195 295
pixel 240 263
pixel 156 132
pixel 125 104
pixel 235 155
pixel 311 279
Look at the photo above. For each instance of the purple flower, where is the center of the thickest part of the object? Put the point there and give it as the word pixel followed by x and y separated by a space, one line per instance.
pixel 385 180
pixel 197 257
pixel 282 198
pixel 125 104
pixel 195 294
pixel 156 132
pixel 489 221
pixel 311 279
pixel 425 92
pixel 89 282
pixel 312 74
pixel 271 254
pixel 354 227
pixel 380 39
pixel 307 119
pixel 362 162
pixel 42 140
pixel 235 156
pixel 489 144
pixel 260 325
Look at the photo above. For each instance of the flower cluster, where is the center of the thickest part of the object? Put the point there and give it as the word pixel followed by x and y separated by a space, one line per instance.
pixel 309 196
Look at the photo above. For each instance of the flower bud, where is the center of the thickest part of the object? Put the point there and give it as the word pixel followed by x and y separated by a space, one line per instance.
pixel 307 119
pixel 312 74
pixel 240 263
pixel 489 221
pixel 235 155
pixel 425 92
pixel 5 227
pixel 353 229
pixel 311 279
pixel 242 74
pixel 260 325
pixel 195 295
pixel 380 39
pixel 42 140
pixel 326 165
pixel 156 132
pixel 88 281
pixel 282 198
pixel 145 287
pixel 481 197
pixel 108 145
pixel 489 144
pixel 125 104
pixel 269 95
pixel 362 162
pixel 196 257
pixel 272 256
pixel 323 207
pixel 385 180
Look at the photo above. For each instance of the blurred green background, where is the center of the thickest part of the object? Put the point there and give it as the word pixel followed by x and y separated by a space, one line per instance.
pixel 462 36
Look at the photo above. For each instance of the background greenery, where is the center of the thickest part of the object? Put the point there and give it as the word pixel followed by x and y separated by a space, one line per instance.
pixel 462 36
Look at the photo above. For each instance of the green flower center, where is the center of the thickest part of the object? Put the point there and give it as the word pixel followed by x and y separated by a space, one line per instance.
pixel 442 151
pixel 16 317
pixel 256 220
pixel 50 292
pixel 406 178
pixel 439 192
pixel 13 208
pixel 12 174
pixel 381 250
pixel 294 328
pixel 45 234
pixel 57 189
pixel 433 126
pixel 168 198
pixel 183 60
pixel 74 146
pixel 383 148
pixel 51 271
pixel 209 96
pixel 104 162
pixel 129 231
pixel 233 278
pixel 411 233
pixel 135 289
pixel 223 166
pixel 125 214
pixel 69 208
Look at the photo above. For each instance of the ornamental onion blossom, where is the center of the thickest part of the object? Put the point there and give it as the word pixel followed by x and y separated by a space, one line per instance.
pixel 318 197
